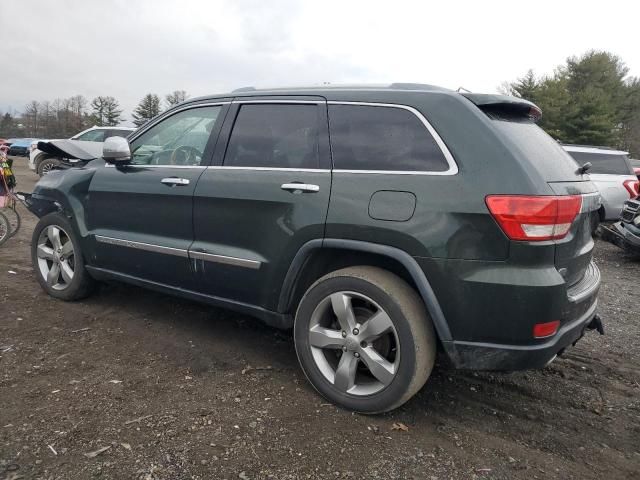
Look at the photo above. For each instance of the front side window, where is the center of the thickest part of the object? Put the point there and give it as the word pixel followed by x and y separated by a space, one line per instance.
pixel 275 136
pixel 177 140
pixel 92 136
pixel 382 138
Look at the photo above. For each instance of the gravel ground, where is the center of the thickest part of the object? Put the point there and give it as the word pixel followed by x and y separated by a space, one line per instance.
pixel 133 384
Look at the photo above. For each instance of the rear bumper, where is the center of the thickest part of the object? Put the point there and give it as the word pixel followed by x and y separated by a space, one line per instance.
pixel 621 237
pixel 491 356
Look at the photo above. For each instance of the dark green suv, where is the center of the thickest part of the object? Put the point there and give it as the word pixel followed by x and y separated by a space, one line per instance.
pixel 382 224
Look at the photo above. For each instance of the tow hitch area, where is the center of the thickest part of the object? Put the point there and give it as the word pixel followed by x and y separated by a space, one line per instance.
pixel 596 324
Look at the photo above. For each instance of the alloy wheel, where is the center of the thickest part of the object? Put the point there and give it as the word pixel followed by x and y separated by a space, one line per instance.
pixel 56 257
pixel 354 343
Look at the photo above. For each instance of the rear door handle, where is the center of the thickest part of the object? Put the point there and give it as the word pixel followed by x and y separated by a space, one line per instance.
pixel 300 187
pixel 175 181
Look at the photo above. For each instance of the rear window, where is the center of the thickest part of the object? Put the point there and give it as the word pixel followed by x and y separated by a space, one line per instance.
pixel 382 138
pixel 612 164
pixel 539 148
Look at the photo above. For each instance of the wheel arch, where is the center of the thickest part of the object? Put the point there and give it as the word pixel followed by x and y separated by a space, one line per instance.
pixel 318 257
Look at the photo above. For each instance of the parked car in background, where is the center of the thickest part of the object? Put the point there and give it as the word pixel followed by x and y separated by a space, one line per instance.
pixel 381 224
pixel 611 172
pixel 20 147
pixel 626 233
pixel 42 162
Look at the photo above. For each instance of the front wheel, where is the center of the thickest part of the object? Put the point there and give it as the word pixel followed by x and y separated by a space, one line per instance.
pixel 5 228
pixel 57 259
pixel 364 339
pixel 48 164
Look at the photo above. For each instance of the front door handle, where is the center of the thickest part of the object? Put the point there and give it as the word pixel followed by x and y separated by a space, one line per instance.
pixel 175 181
pixel 300 187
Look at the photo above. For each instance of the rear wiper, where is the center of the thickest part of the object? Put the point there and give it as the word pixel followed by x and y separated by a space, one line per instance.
pixel 583 169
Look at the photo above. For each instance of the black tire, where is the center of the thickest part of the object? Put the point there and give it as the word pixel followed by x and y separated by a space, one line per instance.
pixel 5 228
pixel 48 164
pixel 81 284
pixel 413 328
pixel 14 220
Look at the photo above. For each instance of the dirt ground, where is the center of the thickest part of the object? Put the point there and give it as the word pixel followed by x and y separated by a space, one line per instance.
pixel 134 384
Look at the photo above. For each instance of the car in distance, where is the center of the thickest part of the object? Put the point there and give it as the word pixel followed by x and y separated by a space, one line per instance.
pixel 20 146
pixel 612 173
pixel 43 162
pixel 380 223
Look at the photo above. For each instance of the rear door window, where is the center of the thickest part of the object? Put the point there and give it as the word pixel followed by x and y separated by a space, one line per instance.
pixel 382 138
pixel 612 164
pixel 92 136
pixel 275 136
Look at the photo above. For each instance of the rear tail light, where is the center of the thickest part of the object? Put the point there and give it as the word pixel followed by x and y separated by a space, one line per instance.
pixel 633 187
pixel 544 330
pixel 534 218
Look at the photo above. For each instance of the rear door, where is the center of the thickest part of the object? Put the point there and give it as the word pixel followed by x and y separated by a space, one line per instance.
pixel 265 196
pixel 140 214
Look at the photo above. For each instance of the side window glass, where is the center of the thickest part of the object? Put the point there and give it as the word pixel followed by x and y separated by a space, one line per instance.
pixel 119 133
pixel 92 136
pixel 276 136
pixel 382 138
pixel 177 140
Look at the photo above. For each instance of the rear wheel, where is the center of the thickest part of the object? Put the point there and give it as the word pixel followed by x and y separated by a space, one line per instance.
pixel 57 259
pixel 364 339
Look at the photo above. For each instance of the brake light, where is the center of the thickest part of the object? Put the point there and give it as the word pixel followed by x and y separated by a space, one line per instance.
pixel 534 218
pixel 544 330
pixel 633 187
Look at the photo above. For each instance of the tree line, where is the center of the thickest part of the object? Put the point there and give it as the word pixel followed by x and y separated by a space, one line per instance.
pixel 63 118
pixel 588 100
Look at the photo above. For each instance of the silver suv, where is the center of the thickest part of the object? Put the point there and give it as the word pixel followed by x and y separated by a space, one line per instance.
pixel 612 173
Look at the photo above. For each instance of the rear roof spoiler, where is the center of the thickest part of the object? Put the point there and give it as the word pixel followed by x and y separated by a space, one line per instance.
pixel 504 104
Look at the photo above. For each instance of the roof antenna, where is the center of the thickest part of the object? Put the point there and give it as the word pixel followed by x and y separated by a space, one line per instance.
pixel 460 89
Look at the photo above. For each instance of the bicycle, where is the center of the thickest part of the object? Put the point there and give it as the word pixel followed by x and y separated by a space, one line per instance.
pixel 9 225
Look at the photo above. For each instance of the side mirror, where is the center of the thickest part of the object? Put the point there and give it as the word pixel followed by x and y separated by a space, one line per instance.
pixel 116 150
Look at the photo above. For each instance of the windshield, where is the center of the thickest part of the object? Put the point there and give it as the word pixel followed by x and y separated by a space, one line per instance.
pixel 607 163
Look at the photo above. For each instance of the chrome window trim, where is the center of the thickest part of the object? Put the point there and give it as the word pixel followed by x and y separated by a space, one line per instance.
pixel 453 167
pixel 179 252
pixel 210 257
pixel 149 247
pixel 269 169
pixel 282 101
pixel 162 117
pixel 142 165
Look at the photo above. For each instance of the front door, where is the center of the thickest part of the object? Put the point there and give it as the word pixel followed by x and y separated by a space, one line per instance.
pixel 141 214
pixel 265 196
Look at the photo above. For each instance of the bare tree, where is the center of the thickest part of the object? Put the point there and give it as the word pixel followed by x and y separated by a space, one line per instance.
pixel 175 97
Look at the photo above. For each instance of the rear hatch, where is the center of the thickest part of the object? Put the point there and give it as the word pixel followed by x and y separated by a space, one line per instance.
pixel 515 120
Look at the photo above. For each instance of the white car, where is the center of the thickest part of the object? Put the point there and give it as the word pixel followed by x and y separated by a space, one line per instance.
pixel 612 173
pixel 41 162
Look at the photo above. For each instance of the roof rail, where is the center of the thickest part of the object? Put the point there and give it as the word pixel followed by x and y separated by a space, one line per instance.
pixel 588 146
pixel 243 89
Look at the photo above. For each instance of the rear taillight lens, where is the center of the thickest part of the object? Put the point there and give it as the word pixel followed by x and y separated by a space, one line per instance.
pixel 534 218
pixel 633 187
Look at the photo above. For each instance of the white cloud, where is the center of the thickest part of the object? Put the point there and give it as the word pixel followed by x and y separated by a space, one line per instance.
pixel 127 49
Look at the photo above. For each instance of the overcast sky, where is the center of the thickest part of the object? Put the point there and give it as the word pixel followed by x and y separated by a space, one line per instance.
pixel 127 48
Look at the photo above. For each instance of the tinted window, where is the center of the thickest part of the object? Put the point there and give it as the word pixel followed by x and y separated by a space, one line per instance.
pixel 382 138
pixel 272 135
pixel 538 148
pixel 604 162
pixel 177 140
pixel 120 133
pixel 92 136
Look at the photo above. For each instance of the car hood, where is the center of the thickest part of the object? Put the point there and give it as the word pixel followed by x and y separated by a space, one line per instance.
pixel 77 149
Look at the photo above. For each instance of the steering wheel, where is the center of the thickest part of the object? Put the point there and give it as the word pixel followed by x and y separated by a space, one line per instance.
pixel 190 155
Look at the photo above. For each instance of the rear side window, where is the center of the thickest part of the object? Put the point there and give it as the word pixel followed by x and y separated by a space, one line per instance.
pixel 538 148
pixel 275 136
pixel 120 133
pixel 382 138
pixel 613 164
pixel 92 136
